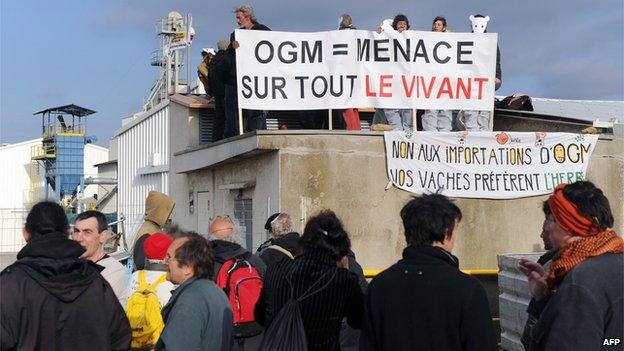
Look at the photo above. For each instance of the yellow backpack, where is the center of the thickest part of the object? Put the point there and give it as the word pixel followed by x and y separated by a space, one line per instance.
pixel 143 311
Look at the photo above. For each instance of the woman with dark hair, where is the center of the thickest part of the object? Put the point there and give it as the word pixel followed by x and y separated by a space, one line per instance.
pixel 584 282
pixel 319 273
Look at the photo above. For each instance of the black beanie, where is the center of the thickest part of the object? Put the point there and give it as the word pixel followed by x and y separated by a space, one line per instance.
pixel 267 225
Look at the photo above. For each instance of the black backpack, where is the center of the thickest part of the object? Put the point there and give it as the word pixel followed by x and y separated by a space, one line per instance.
pixel 286 331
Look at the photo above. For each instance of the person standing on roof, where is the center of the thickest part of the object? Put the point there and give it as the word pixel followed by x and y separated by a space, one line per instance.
pixel 158 208
pixel 438 120
pixel 218 71
pixel 480 120
pixel 253 119
pixel 91 232
pixel 285 243
pixel 399 119
pixel 351 116
pixel 54 300
pixel 202 69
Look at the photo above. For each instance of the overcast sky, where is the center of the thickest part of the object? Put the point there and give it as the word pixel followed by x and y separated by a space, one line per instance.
pixel 96 53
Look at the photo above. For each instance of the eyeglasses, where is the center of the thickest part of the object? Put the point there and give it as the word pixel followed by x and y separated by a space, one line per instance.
pixel 168 258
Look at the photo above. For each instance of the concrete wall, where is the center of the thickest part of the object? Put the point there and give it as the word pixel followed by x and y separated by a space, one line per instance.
pixel 346 172
pixel 214 191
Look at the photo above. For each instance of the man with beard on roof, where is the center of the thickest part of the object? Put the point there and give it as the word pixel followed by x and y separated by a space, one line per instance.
pixel 52 299
pixel 158 208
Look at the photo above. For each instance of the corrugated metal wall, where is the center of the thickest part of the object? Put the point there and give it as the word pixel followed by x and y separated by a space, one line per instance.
pixel 136 148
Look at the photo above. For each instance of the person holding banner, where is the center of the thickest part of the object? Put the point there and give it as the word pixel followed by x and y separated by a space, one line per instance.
pixel 351 116
pixel 438 120
pixel 399 119
pixel 254 119
pixel 584 282
pixel 480 120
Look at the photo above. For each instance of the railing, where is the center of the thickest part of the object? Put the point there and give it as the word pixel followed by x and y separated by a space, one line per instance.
pixel 372 273
pixel 53 129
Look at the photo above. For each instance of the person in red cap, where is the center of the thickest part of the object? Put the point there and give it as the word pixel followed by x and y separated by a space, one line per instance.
pixel 155 247
pixel 583 285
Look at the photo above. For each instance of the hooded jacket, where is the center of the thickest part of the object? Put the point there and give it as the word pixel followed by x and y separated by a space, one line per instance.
pixel 158 208
pixel 225 250
pixel 52 300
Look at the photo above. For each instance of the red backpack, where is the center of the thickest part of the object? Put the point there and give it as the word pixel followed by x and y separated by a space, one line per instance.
pixel 242 284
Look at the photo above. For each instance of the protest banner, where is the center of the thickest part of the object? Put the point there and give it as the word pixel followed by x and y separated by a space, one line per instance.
pixel 356 68
pixel 487 165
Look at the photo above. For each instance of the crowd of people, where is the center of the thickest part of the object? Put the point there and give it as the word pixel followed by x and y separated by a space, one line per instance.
pixel 304 291
pixel 217 72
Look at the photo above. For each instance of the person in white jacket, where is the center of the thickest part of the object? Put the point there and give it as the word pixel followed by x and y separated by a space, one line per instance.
pixel 91 232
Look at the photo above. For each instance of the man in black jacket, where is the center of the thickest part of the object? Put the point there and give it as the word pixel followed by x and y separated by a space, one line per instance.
pixel 218 71
pixel 285 243
pixel 424 302
pixel 254 119
pixel 52 299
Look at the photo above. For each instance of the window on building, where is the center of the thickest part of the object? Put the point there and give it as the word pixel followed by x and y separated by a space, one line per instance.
pixel 243 212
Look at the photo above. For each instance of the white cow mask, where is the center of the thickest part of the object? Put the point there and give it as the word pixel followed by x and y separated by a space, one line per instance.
pixel 479 24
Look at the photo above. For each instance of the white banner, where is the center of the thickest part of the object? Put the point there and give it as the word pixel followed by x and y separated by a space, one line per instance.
pixel 356 68
pixel 488 165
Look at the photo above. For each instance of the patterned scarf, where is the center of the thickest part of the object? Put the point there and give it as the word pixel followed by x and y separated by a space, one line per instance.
pixel 580 250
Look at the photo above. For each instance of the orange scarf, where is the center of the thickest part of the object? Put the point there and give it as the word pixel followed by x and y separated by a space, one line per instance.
pixel 580 250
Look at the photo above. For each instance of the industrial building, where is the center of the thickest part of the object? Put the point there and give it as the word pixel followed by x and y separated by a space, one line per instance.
pixel 256 174
pixel 17 187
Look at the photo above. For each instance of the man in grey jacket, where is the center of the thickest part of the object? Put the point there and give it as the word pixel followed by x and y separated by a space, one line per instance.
pixel 198 315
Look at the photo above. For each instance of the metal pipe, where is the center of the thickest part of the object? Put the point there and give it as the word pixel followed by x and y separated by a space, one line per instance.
pixel 189 22
pixel 91 180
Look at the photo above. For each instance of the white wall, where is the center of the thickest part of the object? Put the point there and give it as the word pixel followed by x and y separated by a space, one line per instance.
pixel 138 170
pixel 15 187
